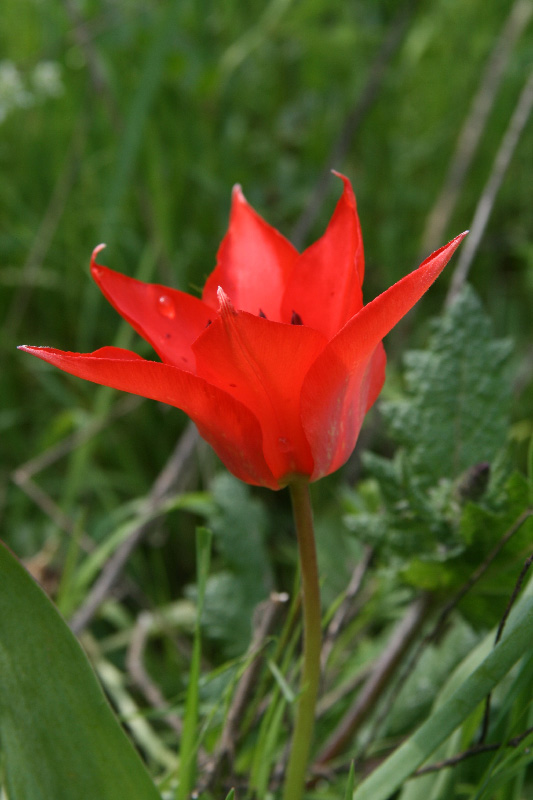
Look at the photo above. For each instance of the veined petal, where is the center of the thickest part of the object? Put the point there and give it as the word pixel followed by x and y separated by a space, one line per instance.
pixel 168 319
pixel 263 365
pixel 253 263
pixel 332 423
pixel 324 286
pixel 346 374
pixel 230 428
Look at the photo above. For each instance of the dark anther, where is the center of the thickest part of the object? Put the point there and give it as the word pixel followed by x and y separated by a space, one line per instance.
pixel 296 319
pixel 262 313
pixel 208 323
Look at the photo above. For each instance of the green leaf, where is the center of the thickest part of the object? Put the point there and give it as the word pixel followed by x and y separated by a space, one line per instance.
pixel 456 706
pixel 350 784
pixel 238 523
pixel 457 410
pixel 58 734
pixel 189 743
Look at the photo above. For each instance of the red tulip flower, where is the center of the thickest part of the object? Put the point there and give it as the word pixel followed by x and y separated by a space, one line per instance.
pixel 279 361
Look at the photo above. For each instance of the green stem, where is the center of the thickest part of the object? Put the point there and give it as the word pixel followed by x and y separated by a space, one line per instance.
pixel 305 716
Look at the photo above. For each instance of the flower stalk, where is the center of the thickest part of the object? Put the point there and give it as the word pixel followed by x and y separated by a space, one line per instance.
pixel 305 715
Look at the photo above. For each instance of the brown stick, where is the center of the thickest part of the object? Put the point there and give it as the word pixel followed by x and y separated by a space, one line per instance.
pixel 473 751
pixel 474 125
pixel 486 202
pixel 172 474
pixel 345 609
pixel 400 641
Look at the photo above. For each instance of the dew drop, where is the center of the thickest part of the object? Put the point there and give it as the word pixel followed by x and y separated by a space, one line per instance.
pixel 165 306
pixel 97 270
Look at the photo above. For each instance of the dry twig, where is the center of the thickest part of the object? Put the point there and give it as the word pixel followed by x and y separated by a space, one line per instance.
pixel 171 478
pixel 474 124
pixel 472 751
pixel 135 665
pixel 486 202
pixel 265 618
pixel 399 643
pixel 345 610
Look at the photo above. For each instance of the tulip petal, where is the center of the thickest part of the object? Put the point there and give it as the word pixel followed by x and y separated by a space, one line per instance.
pixel 324 287
pixel 168 319
pixel 230 428
pixel 253 263
pixel 263 364
pixel 346 374
pixel 333 423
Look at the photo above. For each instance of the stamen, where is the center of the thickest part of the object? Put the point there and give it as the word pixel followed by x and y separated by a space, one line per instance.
pixel 296 318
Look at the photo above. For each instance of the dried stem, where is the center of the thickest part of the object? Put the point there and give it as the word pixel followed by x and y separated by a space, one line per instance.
pixel 135 665
pixel 345 609
pixel 474 124
pixel 265 618
pixel 499 632
pixel 472 751
pixel 398 645
pixel 171 476
pixel 485 205
pixel 435 633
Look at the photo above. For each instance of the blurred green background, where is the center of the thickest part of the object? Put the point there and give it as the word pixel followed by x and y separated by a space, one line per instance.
pixel 129 122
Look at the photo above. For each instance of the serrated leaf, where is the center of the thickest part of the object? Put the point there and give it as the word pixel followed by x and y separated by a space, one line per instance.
pixel 58 734
pixel 238 524
pixel 457 410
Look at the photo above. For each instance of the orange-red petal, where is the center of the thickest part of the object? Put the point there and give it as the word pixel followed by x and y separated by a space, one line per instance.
pixel 324 287
pixel 263 365
pixel 345 377
pixel 168 319
pixel 254 261
pixel 230 428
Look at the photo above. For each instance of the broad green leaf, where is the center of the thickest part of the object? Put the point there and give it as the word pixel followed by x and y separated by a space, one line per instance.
pixel 456 414
pixel 239 524
pixel 58 735
pixel 455 708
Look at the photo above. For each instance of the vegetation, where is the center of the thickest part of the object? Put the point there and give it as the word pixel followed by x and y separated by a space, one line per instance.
pixel 128 123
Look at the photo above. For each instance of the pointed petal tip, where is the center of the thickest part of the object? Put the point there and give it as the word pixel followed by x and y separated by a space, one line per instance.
pixel 237 193
pixel 226 306
pixel 348 192
pixel 97 249
pixel 96 269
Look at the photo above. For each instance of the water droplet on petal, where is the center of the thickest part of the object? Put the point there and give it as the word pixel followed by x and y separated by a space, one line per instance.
pixel 98 271
pixel 165 306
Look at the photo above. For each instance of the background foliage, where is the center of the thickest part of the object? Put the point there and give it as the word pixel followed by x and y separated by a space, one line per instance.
pixel 128 123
